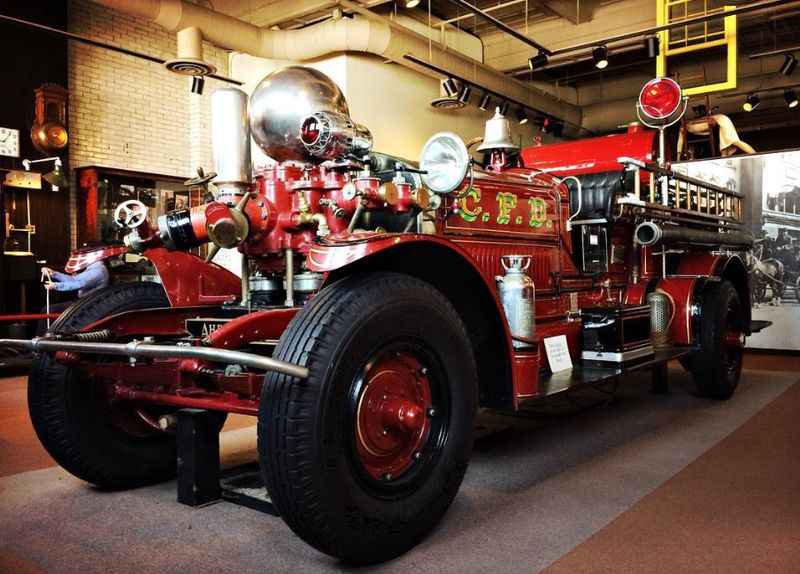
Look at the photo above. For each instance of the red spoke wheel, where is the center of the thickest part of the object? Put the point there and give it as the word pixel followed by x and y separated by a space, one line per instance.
pixel 717 367
pixel 362 459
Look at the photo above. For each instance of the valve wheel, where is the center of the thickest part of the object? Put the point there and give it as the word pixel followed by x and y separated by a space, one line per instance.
pixel 130 214
pixel 393 414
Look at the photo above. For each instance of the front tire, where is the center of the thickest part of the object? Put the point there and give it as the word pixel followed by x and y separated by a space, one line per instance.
pixel 362 459
pixel 104 444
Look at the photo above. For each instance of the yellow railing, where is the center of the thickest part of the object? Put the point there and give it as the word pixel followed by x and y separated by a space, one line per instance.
pixel 696 37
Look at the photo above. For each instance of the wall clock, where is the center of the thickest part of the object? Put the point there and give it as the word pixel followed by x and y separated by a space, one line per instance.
pixel 9 142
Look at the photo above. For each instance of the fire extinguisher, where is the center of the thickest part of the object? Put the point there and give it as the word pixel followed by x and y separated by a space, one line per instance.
pixel 518 296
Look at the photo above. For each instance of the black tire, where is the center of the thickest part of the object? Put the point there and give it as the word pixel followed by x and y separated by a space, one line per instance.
pixel 306 430
pixel 717 367
pixel 103 445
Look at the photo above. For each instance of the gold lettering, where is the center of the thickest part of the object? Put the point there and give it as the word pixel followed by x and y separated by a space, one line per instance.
pixel 469 214
pixel 538 208
pixel 506 202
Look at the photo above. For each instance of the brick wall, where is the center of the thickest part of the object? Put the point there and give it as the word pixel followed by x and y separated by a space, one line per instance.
pixel 126 112
pixel 129 113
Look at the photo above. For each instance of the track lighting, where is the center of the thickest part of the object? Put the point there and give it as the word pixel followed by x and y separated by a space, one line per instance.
pixel 537 61
pixel 791 98
pixel 504 108
pixel 751 103
pixel 464 93
pixel 450 87
pixel 600 57
pixel 483 105
pixel 789 64
pixel 198 83
pixel 653 46
pixel 522 117
pixel 412 3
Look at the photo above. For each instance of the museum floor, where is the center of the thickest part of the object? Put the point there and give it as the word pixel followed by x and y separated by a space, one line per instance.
pixel 644 483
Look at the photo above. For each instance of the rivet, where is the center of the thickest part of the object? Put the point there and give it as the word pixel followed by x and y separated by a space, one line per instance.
pixel 387 476
pixel 417 455
pixel 431 412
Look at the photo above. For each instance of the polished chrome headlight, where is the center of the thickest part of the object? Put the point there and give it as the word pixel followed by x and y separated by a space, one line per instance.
pixel 445 160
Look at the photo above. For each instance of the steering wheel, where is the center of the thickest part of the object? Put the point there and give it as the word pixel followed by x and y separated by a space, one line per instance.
pixel 130 214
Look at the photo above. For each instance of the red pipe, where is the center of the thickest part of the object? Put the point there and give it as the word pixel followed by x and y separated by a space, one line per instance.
pixel 28 317
pixel 224 402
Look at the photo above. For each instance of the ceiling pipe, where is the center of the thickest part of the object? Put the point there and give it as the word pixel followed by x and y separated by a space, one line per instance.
pixel 501 26
pixel 370 34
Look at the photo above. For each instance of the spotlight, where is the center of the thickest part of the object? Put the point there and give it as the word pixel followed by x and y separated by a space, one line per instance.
pixel 791 98
pixel 751 103
pixel 522 117
pixel 412 3
pixel 600 57
pixel 483 105
pixel 198 83
pixel 504 108
pixel 789 64
pixel 463 94
pixel 653 46
pixel 537 61
pixel 450 87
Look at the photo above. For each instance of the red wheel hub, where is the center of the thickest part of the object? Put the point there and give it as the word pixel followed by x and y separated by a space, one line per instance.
pixel 392 422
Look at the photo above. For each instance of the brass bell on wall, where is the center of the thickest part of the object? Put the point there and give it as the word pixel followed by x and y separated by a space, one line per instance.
pixel 497 134
pixel 49 132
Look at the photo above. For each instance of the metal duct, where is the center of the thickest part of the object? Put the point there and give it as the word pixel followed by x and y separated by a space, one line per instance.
pixel 368 33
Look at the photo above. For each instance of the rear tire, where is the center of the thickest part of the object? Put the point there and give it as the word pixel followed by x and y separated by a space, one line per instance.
pixel 717 367
pixel 360 495
pixel 105 445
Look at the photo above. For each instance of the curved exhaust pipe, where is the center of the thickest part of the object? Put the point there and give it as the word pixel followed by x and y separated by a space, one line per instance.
pixel 650 233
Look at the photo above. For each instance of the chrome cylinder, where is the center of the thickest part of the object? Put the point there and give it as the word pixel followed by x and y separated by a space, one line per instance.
pixel 518 296
pixel 230 139
pixel 659 318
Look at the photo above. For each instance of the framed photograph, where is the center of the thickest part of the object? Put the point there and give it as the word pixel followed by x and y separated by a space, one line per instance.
pixel 771 183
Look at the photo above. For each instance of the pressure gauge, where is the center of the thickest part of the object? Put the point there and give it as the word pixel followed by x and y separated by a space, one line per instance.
pixel 9 142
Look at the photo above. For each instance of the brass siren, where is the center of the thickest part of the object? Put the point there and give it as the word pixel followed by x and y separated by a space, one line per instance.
pixel 497 134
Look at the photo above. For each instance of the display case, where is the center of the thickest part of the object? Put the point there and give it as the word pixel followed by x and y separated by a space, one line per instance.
pixel 101 189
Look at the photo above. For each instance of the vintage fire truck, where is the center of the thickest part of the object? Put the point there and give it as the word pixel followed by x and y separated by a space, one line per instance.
pixel 381 303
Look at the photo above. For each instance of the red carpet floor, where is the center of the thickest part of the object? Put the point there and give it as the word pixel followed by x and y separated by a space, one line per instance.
pixel 734 509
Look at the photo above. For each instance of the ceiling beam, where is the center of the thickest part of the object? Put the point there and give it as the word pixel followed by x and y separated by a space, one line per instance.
pixel 576 11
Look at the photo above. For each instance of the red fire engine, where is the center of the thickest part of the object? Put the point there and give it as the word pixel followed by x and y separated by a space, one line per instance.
pixel 386 301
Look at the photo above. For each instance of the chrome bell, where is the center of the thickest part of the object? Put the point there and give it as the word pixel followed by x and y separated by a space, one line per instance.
pixel 497 134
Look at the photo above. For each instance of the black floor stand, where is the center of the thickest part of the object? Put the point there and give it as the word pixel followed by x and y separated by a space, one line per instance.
pixel 660 379
pixel 200 480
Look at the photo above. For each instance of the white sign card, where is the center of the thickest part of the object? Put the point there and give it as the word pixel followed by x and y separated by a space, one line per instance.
pixel 558 353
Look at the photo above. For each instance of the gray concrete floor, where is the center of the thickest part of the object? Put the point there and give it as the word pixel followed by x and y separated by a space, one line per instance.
pixel 532 493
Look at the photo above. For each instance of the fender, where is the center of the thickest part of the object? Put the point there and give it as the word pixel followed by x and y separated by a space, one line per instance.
pixel 455 273
pixel 724 267
pixel 190 281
